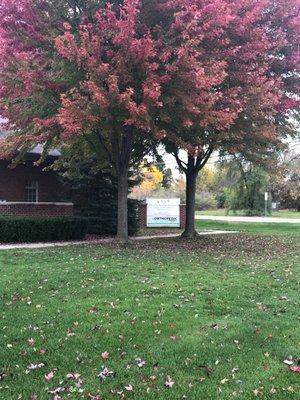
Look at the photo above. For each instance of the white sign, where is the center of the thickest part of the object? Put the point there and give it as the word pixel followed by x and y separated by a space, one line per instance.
pixel 163 213
pixel 266 196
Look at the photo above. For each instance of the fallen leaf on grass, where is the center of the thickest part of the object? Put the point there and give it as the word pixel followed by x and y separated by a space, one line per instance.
pixel 140 363
pixel 169 382
pixel 92 310
pixel 57 391
pixel 257 392
pixel 94 396
pixel 49 376
pixel 31 341
pixel 288 360
pixel 129 387
pixel 104 373
pixel 223 381
pixel 32 367
pixel 295 368
pixel 105 355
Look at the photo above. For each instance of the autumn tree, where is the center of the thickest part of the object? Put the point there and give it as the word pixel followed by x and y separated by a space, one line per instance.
pixel 243 60
pixel 93 76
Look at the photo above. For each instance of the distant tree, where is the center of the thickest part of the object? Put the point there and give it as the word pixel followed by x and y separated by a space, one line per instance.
pixel 247 192
pixel 152 178
pixel 167 173
pixel 285 180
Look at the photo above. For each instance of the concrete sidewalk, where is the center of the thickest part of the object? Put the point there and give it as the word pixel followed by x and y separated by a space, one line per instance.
pixel 271 220
pixel 17 246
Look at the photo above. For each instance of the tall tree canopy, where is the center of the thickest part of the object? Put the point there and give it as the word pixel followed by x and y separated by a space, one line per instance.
pixel 244 57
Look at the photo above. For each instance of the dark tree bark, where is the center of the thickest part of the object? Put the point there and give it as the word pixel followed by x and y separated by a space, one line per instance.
pixel 191 179
pixel 122 145
pixel 191 170
pixel 122 231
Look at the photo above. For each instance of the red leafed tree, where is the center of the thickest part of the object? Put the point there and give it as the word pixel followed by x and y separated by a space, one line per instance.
pixel 243 57
pixel 100 76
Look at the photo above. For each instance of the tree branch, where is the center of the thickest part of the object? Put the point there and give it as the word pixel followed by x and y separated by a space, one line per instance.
pixel 180 162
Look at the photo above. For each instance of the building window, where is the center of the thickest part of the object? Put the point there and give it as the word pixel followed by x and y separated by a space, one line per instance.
pixel 31 192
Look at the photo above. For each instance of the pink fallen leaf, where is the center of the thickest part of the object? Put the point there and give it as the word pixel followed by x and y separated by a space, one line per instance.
pixel 295 368
pixel 49 376
pixel 129 387
pixel 105 355
pixel 94 396
pixel 169 382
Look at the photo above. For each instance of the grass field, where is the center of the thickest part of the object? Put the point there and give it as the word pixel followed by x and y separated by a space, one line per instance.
pixel 277 214
pixel 252 227
pixel 218 315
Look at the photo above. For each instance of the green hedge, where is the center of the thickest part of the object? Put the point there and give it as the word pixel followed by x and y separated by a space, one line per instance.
pixel 103 218
pixel 40 229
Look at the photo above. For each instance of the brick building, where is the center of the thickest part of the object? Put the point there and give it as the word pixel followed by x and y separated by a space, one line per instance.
pixel 29 189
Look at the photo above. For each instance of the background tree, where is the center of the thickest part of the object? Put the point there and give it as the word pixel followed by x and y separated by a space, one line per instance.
pixel 246 194
pixel 285 180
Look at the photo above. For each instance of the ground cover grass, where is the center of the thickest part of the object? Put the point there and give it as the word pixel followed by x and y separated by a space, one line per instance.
pixel 218 315
pixel 224 212
pixel 250 227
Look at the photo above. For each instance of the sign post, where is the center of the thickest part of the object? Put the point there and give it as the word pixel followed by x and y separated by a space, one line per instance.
pixel 163 213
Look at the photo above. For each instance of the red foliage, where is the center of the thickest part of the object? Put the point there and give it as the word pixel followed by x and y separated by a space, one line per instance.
pixel 224 68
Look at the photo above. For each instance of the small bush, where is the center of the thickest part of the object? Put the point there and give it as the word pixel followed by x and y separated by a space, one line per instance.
pixel 41 229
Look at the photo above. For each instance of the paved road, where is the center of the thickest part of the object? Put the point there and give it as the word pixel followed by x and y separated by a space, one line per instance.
pixel 249 219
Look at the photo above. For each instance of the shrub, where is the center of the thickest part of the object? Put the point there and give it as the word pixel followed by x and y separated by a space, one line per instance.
pixel 41 229
pixel 104 222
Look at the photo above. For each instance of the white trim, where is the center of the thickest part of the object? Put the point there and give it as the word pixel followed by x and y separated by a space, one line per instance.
pixel 11 203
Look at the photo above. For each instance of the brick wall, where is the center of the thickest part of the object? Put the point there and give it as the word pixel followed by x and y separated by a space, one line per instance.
pixel 36 209
pixel 13 182
pixel 142 210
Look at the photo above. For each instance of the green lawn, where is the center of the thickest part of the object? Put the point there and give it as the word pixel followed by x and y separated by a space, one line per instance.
pixel 222 212
pixel 229 303
pixel 251 227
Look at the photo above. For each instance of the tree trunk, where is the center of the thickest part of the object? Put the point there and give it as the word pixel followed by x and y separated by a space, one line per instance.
pixel 191 170
pixel 122 232
pixel 191 176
